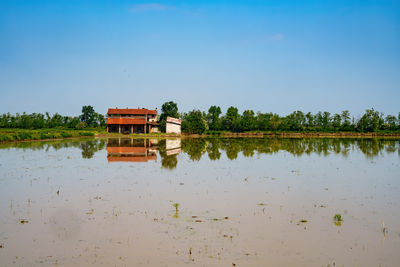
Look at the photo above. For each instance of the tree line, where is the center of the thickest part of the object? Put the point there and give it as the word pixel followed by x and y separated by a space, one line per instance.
pixel 198 122
pixel 88 118
pixel 371 121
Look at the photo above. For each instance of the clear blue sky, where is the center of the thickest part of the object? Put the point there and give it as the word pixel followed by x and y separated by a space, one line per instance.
pixel 276 56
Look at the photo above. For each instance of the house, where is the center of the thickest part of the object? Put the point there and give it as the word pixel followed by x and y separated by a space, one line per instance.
pixel 128 120
pixel 173 125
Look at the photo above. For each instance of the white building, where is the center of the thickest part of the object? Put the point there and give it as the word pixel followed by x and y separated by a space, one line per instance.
pixel 173 125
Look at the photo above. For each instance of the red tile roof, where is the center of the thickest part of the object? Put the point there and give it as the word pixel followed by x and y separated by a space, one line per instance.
pixel 132 111
pixel 174 120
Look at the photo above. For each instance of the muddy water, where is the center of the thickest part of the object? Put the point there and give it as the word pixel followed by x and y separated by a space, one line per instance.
pixel 200 202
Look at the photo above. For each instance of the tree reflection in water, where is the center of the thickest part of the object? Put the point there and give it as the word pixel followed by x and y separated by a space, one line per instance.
pixel 195 148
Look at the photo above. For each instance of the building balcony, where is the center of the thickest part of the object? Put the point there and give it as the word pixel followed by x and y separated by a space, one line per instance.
pixel 126 121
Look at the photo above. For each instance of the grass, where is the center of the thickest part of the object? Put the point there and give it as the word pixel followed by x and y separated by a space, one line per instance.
pixel 7 135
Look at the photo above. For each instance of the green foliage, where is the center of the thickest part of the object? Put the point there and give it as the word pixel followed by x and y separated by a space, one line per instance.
pixel 390 122
pixel 199 122
pixel 66 135
pixel 168 109
pixel 86 134
pixel 213 119
pixel 88 115
pixel 337 219
pixel 371 121
pixel 41 121
pixel 80 125
pixel 47 135
pixel 248 121
pixel 194 122
pixel 23 134
pixel 231 120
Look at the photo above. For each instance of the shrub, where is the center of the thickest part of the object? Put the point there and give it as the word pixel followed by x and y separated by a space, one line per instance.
pixel 4 137
pixel 86 134
pixel 22 136
pixel 80 125
pixel 44 135
pixel 65 135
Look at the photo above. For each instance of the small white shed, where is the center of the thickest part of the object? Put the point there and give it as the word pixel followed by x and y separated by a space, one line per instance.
pixel 173 125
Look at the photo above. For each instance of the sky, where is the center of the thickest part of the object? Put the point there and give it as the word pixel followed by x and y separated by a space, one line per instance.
pixel 268 56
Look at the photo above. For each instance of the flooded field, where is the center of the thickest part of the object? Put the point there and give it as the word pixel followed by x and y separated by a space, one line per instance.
pixel 200 202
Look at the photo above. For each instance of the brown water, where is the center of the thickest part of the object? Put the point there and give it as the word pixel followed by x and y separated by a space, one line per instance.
pixel 200 202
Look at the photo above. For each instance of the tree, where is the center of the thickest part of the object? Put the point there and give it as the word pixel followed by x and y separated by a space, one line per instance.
pixel 371 121
pixel 295 121
pixel 275 122
pixel 336 122
pixel 231 120
pixel 263 121
pixel 309 120
pixel 346 123
pixel 398 120
pixel 248 121
pixel 326 120
pixel 194 122
pixel 213 119
pixel 168 109
pixel 88 116
pixel 390 122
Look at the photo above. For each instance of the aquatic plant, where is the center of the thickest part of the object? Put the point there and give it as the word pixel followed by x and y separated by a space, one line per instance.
pixel 176 206
pixel 337 219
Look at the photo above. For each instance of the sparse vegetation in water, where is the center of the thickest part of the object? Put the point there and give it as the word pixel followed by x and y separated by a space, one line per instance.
pixel 303 221
pixel 337 219
pixel 23 221
pixel 384 228
pixel 176 206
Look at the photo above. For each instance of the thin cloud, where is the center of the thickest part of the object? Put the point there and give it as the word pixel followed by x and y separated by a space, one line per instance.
pixel 148 7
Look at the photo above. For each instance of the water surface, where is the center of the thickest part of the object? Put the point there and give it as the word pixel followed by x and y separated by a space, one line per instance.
pixel 201 202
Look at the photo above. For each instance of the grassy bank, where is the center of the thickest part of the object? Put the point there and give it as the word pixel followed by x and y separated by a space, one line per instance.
pixel 7 135
pixel 303 134
pixel 258 134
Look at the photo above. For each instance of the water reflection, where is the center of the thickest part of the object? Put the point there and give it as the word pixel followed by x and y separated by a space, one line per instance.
pixel 222 205
pixel 214 148
pixel 249 147
pixel 90 147
pixel 143 150
pixel 169 149
pixel 131 150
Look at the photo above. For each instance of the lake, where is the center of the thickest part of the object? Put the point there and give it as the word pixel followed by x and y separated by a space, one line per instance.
pixel 200 202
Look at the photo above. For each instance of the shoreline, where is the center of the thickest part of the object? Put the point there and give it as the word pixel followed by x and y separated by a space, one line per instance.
pixel 226 135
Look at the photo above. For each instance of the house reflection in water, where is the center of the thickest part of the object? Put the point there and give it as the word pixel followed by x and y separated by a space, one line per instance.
pixel 173 146
pixel 131 150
